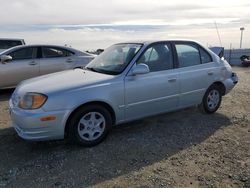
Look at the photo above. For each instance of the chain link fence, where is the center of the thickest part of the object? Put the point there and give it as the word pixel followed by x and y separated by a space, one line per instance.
pixel 233 55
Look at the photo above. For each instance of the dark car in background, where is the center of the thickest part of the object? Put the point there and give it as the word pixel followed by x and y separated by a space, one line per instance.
pixel 6 43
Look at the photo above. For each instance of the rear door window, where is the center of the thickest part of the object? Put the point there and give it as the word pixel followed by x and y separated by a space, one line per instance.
pixel 205 57
pixel 188 55
pixel 53 52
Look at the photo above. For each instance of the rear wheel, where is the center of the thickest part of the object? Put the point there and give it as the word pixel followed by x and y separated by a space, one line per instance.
pixel 212 99
pixel 89 125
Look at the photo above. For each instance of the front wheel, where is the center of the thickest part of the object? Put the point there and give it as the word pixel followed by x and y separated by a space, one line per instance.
pixel 89 125
pixel 212 99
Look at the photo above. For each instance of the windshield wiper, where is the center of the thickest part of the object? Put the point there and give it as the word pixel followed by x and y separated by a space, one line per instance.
pixel 78 67
pixel 92 69
pixel 102 71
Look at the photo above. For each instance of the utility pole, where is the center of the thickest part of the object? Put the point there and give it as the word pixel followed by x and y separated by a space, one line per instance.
pixel 241 36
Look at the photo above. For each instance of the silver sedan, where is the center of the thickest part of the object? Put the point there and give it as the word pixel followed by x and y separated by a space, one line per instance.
pixel 28 61
pixel 128 81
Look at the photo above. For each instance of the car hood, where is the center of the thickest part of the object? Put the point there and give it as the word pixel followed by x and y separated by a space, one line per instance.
pixel 61 81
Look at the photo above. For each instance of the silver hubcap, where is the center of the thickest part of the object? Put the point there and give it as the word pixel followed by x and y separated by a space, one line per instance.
pixel 91 126
pixel 213 99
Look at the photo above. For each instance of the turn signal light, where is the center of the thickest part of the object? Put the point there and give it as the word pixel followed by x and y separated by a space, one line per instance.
pixel 48 118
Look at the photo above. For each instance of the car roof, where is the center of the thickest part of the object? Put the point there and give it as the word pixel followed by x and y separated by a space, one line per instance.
pixel 11 39
pixel 45 45
pixel 147 42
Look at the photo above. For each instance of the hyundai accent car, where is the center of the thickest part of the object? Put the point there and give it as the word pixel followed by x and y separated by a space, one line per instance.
pixel 28 61
pixel 128 81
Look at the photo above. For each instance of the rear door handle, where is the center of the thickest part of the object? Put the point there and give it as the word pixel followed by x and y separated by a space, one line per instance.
pixel 32 63
pixel 172 80
pixel 210 73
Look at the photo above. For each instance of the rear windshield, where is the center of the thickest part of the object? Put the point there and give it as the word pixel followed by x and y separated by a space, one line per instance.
pixel 5 44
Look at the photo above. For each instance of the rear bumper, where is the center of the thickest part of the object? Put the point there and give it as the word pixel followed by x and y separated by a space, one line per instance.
pixel 231 82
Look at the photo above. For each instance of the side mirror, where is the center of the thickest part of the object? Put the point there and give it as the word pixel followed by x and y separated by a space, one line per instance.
pixel 140 69
pixel 5 59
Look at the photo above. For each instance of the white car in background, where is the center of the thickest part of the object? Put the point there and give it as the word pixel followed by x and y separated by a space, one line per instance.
pixel 28 61
pixel 6 43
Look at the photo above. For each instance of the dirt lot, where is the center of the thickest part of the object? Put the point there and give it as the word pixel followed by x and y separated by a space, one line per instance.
pixel 180 149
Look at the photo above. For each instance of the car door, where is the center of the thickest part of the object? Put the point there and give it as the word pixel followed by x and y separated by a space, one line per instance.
pixel 55 59
pixel 195 72
pixel 24 65
pixel 156 91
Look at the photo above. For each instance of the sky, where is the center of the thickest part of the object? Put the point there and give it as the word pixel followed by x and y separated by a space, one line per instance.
pixel 93 24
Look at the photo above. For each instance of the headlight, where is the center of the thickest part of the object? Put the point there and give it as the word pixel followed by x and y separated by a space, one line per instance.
pixel 32 101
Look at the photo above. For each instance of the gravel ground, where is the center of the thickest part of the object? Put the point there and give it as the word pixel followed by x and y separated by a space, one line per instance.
pixel 180 149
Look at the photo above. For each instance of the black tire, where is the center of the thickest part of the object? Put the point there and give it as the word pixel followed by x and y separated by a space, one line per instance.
pixel 74 124
pixel 207 106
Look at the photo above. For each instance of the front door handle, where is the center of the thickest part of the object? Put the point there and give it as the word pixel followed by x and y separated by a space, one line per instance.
pixel 69 60
pixel 32 63
pixel 172 80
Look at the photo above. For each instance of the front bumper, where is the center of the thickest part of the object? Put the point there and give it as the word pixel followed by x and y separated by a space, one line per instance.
pixel 29 126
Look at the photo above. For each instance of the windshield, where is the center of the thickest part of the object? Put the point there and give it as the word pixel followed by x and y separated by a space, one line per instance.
pixel 114 59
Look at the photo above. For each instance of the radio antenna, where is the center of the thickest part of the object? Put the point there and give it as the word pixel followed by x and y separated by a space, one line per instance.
pixel 218 34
